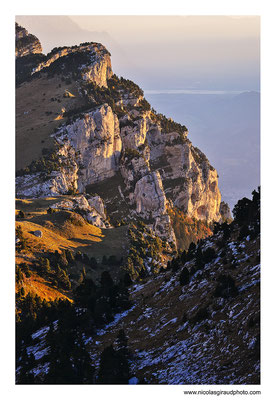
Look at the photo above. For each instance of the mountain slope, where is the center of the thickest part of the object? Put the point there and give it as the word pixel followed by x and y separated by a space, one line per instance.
pixel 197 322
pixel 118 275
pixel 96 128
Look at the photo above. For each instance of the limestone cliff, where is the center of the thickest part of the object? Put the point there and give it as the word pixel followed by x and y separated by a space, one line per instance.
pixel 91 207
pixel 96 138
pixel 225 212
pixel 141 163
pixel 94 63
pixel 60 181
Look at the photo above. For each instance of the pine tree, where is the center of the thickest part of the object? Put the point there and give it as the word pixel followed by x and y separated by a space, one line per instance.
pixel 184 277
pixel 114 367
pixel 183 257
pixel 106 280
pixel 127 280
pixel 21 214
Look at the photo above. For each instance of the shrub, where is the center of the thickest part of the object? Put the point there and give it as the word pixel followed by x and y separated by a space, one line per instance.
pixel 168 125
pixel 226 287
pixel 114 367
pixel 106 280
pixel 21 214
pixel 243 232
pixel 18 275
pixel 48 163
pixel 199 260
pixel 208 255
pixel 93 262
pixel 184 277
pixel 144 105
pixel 127 280
pixel 79 256
pixel 69 256
pixel 247 211
pixel 131 153
pixel 45 265
pixel 25 269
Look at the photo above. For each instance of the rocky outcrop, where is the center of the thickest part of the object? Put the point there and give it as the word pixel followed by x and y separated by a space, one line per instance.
pixel 188 178
pixel 91 207
pixel 94 66
pixel 61 181
pixel 149 196
pixel 25 43
pixel 96 139
pixel 154 165
pixel 225 212
pixel 152 205
pixel 134 133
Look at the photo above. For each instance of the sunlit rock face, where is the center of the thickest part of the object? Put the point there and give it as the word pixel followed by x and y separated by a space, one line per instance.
pixel 94 67
pixel 188 178
pixel 154 165
pixel 61 181
pixel 97 142
pixel 134 133
pixel 149 195
pixel 225 212
pixel 25 43
pixel 92 208
pixel 152 205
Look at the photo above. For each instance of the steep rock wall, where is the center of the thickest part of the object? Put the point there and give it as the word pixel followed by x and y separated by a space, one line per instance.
pixel 96 67
pixel 96 139
pixel 153 163
pixel 61 181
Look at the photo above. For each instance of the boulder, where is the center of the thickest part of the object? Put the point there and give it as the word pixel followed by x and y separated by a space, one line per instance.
pixel 38 233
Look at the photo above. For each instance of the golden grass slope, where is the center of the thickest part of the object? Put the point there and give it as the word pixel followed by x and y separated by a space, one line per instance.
pixel 38 103
pixel 67 230
pixel 36 285
pixel 62 230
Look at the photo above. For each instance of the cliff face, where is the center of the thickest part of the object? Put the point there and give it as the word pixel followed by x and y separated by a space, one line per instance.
pixel 119 140
pixel 61 180
pixel 25 43
pixel 94 66
pixel 96 138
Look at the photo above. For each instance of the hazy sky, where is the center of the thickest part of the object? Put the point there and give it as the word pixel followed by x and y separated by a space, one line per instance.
pixel 165 52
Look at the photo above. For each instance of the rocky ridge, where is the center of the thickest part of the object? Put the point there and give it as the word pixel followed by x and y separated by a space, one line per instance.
pixel 25 43
pixel 119 138
pixel 96 67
